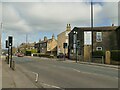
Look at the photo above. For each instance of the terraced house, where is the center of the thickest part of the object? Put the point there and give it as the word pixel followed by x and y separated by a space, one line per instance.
pixel 63 38
pixel 104 38
pixel 47 46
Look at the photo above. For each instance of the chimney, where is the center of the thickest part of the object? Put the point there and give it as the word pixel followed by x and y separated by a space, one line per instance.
pixel 112 24
pixel 68 28
pixel 45 38
pixel 53 37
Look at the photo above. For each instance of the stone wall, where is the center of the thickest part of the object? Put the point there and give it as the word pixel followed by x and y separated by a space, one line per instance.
pixel 109 40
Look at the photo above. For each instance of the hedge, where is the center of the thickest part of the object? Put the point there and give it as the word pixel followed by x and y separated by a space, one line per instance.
pixel 33 51
pixel 46 55
pixel 28 53
pixel 98 53
pixel 115 55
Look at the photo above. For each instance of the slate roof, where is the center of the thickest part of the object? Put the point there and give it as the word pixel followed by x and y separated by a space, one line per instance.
pixel 104 28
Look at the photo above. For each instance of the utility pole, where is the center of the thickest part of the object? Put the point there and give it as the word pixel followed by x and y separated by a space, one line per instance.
pixel 0 39
pixel 26 44
pixel 92 28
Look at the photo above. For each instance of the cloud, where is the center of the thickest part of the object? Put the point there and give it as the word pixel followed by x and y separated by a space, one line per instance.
pixel 59 0
pixel 46 16
pixel 12 21
pixel 52 17
pixel 110 11
pixel 27 16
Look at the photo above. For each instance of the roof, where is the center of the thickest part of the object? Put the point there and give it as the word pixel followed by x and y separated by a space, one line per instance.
pixel 63 33
pixel 45 41
pixel 104 28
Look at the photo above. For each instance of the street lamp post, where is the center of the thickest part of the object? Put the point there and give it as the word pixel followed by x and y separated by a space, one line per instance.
pixel 75 43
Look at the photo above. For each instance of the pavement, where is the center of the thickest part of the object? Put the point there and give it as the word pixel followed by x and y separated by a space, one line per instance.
pixel 0 73
pixel 14 79
pixel 81 62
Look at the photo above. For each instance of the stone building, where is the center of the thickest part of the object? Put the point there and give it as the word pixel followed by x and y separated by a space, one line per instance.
pixel 104 38
pixel 63 38
pixel 118 37
pixel 26 46
pixel 47 46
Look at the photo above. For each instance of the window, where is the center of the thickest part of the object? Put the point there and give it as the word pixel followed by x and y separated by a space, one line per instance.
pixel 98 48
pixel 99 36
pixel 45 44
pixel 66 41
pixel 40 45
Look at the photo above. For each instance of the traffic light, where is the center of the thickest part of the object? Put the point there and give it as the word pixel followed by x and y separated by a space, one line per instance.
pixel 10 40
pixel 64 45
pixel 6 43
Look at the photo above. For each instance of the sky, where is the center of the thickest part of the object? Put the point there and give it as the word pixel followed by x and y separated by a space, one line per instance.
pixel 39 18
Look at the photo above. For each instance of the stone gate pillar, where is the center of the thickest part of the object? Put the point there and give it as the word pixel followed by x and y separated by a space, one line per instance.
pixel 107 57
pixel 87 53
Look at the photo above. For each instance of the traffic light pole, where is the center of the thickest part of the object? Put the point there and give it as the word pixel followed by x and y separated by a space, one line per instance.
pixel 77 48
pixel 64 54
pixel 8 56
pixel 11 58
pixel 76 53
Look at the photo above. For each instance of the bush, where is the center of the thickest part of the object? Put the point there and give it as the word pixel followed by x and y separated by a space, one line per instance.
pixel 46 55
pixel 98 53
pixel 33 51
pixel 115 55
pixel 28 53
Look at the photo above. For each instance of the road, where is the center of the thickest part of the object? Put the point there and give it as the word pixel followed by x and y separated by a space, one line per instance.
pixel 59 74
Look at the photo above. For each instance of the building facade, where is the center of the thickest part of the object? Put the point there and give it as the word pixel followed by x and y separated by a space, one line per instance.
pixel 104 38
pixel 47 46
pixel 118 37
pixel 63 38
pixel 26 46
pixel 74 36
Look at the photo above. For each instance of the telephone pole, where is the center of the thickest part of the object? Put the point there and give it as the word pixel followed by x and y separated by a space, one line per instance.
pixel 92 28
pixel 26 43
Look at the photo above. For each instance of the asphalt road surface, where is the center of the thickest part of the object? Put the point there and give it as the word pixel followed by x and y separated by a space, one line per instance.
pixel 59 74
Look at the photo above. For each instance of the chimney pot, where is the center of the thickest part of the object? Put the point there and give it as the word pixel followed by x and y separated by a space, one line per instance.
pixel 112 24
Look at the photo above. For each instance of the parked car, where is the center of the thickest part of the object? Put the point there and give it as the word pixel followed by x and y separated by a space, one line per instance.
pixel 20 54
pixel 61 55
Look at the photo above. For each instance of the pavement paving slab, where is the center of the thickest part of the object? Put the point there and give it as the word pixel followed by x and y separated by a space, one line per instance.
pixel 0 73
pixel 14 79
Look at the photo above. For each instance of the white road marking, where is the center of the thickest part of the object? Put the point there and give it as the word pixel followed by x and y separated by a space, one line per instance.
pixel 108 67
pixel 82 71
pixel 50 85
pixel 76 70
pixel 36 76
pixel 92 73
